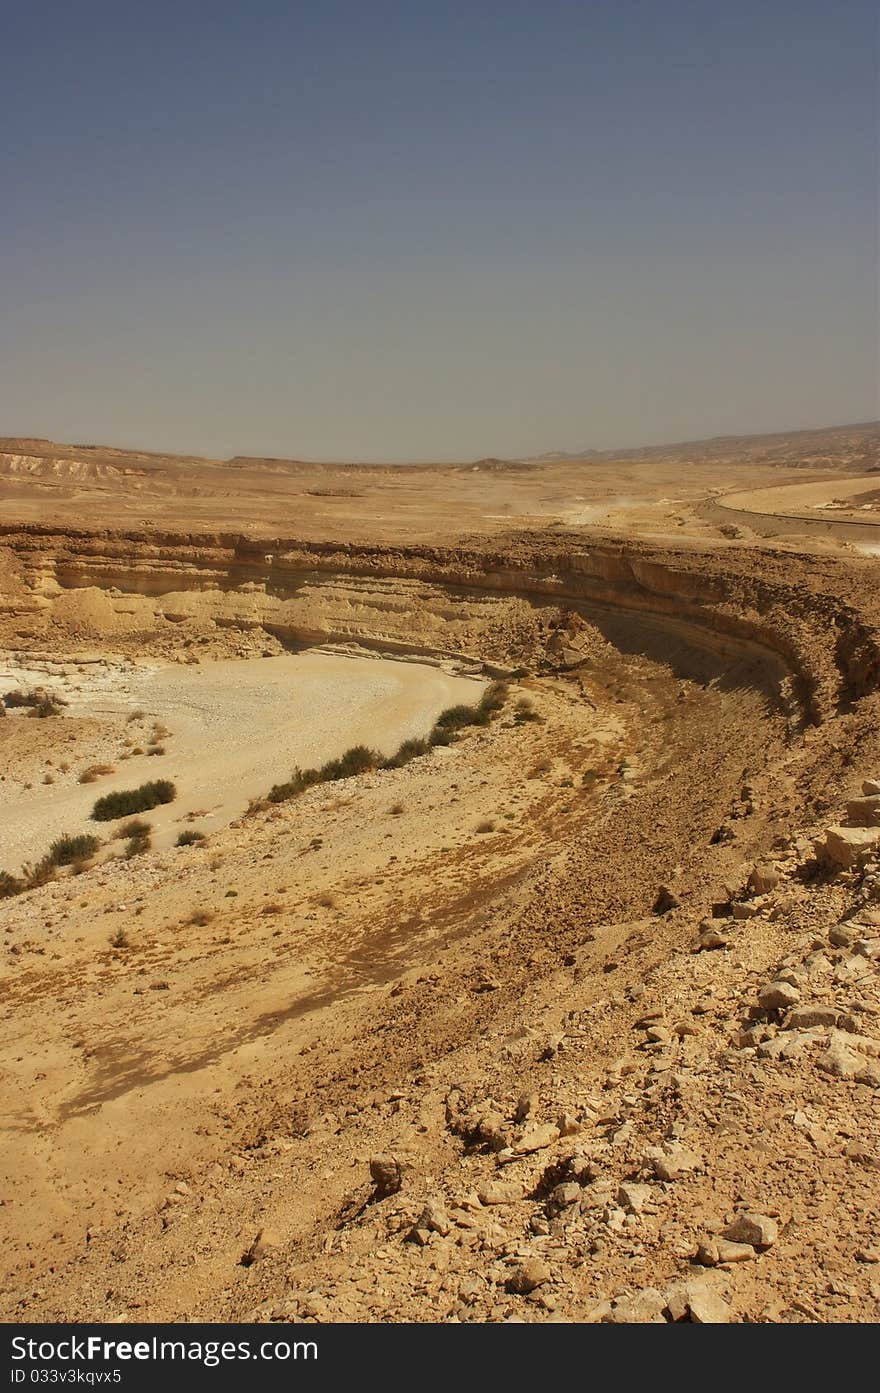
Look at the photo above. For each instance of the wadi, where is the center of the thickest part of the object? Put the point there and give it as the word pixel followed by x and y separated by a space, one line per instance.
pixel 441 891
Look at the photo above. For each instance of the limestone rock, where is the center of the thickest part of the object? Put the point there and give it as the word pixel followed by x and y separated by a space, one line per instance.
pixel 644 1307
pixel 764 877
pixel 633 1197
pixel 807 1017
pixel 844 847
pixel 840 1059
pixel 778 996
pixel 527 1276
pixel 387 1174
pixel 536 1139
pixel 864 812
pixel 670 1160
pixel 500 1192
pixel 755 1229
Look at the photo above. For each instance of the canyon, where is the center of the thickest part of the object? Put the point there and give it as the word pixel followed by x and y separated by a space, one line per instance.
pixel 488 1035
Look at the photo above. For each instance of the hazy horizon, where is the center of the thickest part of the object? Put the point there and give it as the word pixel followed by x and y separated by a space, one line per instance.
pixel 338 232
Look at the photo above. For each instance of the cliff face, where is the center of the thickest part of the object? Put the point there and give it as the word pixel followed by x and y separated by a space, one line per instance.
pixel 815 620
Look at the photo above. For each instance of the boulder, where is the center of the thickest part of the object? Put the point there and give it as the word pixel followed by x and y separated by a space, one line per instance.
pixel 864 812
pixel 845 847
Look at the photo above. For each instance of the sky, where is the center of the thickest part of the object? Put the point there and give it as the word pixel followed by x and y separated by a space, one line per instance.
pixel 388 231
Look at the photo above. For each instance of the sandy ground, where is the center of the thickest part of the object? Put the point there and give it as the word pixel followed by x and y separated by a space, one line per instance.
pixel 811 500
pixel 235 728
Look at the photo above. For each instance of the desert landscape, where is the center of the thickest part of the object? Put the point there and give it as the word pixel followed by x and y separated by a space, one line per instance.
pixel 440 891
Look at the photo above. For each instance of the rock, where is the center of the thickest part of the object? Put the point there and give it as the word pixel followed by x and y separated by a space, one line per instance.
pixel 755 1229
pixel 536 1139
pixel 387 1174
pixel 840 936
pixel 565 1195
pixel 711 938
pixel 807 1017
pixel 526 1106
pixel 707 1252
pixel 870 787
pixel 265 1241
pixel 529 1275
pixel 568 1125
pixel 845 847
pixel 705 1306
pixel 840 1060
pixel 666 900
pixel 434 1218
pixel 670 1160
pixel 491 1129
pixel 500 1192
pixel 645 1307
pixel 658 1035
pixel 864 812
pixel 633 1197
pixel 764 877
pixel 778 996
pixel 745 909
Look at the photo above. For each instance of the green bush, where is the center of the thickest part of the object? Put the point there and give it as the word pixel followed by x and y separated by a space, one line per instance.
pixel 134 800
pixel 9 885
pixel 410 749
pixel 190 838
pixel 66 849
pixel 456 717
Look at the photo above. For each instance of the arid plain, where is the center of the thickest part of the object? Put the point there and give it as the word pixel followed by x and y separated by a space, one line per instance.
pixel 565 1007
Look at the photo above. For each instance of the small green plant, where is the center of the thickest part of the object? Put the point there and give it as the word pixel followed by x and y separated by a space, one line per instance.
pixel 135 828
pixel 134 800
pixel 67 849
pixel 9 885
pixel 190 838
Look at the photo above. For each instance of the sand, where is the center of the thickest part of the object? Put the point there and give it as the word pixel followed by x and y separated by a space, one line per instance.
pixel 237 726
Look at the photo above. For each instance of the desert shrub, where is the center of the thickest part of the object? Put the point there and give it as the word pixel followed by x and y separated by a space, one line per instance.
pixel 456 717
pixel 134 800
pixel 66 849
pixel 410 749
pixel 201 918
pixel 396 809
pixel 39 874
pixel 190 838
pixel 440 736
pixel 40 701
pixel 136 715
pixel 299 780
pixel 136 846
pixel 358 760
pixel 119 939
pixel 94 771
pixel 487 825
pixel 135 828
pixel 494 697
pixel 155 749
pixel 9 885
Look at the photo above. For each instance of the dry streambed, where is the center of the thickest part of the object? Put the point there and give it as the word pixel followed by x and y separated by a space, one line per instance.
pixel 234 728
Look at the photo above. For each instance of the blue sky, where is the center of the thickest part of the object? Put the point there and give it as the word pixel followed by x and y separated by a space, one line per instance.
pixel 399 231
